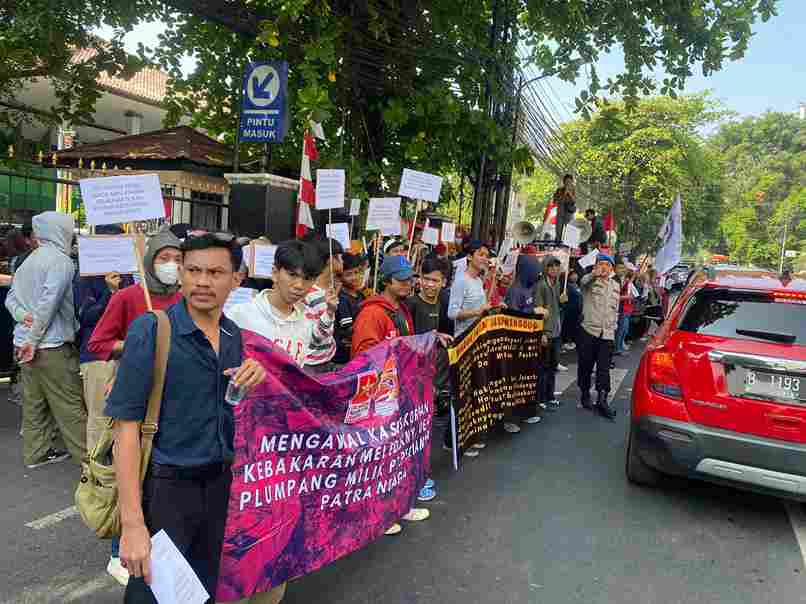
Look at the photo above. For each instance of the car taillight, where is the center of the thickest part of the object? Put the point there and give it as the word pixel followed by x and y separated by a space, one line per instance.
pixel 663 375
pixel 788 297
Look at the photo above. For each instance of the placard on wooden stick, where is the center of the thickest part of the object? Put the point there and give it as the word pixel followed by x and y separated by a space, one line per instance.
pixel 262 257
pixel 420 185
pixel 103 254
pixel 122 199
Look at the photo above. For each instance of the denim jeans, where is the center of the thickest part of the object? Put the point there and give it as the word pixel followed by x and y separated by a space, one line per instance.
pixel 621 331
pixel 116 547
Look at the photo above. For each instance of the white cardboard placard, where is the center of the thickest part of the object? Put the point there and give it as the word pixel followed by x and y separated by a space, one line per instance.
pixel 589 259
pixel 239 295
pixel 121 199
pixel 420 185
pixel 262 260
pixel 430 235
pixel 384 215
pixel 329 189
pixel 104 254
pixel 355 207
pixel 448 232
pixel 340 231
pixel 571 236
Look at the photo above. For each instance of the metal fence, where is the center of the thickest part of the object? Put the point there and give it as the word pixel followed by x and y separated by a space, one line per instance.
pixel 30 189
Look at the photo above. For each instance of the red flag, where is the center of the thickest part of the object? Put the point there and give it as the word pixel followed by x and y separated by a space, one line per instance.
pixel 609 222
pixel 550 220
pixel 307 194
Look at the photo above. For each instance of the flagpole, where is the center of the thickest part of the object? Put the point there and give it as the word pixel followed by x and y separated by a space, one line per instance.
pixel 330 243
pixel 377 261
pixel 413 229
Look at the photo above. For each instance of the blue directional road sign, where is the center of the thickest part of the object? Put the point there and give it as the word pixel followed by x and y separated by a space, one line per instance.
pixel 263 111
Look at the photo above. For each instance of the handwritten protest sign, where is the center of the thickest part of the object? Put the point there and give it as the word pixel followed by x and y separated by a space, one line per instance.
pixel 329 189
pixel 355 207
pixel 340 231
pixel 571 236
pixel 239 295
pixel 420 185
pixel 448 232
pixel 430 235
pixel 104 254
pixel 262 257
pixel 384 215
pixel 121 199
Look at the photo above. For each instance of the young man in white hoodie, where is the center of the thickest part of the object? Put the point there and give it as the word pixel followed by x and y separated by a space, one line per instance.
pixel 279 314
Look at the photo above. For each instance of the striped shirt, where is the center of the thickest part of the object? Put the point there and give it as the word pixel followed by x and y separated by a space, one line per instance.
pixel 320 351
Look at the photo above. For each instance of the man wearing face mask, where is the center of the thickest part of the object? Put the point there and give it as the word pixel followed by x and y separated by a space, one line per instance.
pixel 161 263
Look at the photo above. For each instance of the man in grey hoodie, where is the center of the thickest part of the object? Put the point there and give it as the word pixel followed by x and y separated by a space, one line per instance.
pixel 41 302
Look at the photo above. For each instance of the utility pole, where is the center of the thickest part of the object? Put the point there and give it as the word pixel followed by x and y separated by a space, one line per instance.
pixel 783 243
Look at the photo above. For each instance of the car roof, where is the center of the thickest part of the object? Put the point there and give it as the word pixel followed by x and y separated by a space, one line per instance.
pixel 749 279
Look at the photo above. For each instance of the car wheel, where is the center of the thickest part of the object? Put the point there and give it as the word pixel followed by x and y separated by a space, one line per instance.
pixel 637 471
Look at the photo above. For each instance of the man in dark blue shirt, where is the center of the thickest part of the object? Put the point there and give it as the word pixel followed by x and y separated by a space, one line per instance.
pixel 187 485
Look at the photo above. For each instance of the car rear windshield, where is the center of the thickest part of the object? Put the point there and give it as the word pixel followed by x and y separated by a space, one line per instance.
pixel 745 316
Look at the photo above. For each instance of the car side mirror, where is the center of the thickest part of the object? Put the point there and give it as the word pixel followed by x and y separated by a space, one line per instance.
pixel 654 313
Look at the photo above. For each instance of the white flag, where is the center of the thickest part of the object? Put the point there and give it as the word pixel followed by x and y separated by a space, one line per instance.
pixel 671 239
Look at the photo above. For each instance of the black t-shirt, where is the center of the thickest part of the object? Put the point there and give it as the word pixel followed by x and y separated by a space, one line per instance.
pixel 424 315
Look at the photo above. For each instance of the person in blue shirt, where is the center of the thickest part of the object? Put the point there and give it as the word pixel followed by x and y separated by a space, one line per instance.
pixel 186 488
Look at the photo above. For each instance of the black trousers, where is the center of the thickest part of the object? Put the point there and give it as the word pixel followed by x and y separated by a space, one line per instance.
pixel 190 504
pixel 593 351
pixel 548 370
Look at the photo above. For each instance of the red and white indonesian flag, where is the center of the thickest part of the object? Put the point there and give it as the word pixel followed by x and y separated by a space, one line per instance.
pixel 550 220
pixel 307 192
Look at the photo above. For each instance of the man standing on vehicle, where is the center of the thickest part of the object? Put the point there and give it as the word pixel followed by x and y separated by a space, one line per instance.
pixel 600 295
pixel 186 488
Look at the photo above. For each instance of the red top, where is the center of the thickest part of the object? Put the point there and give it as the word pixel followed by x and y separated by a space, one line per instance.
pixel 374 323
pixel 124 307
pixel 627 306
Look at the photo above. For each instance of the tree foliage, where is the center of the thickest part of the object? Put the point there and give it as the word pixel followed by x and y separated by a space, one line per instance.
pixel 764 170
pixel 635 161
pixel 38 39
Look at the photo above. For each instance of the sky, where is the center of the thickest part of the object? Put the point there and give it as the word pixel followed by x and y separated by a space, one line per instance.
pixel 771 76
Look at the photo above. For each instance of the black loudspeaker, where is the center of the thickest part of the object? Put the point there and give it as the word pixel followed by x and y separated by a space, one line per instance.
pixel 247 212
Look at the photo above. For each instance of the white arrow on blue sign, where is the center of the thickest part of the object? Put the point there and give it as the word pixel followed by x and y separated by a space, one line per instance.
pixel 263 111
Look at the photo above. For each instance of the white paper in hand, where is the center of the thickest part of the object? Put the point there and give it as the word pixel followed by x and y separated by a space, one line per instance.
pixel 172 579
pixel 589 259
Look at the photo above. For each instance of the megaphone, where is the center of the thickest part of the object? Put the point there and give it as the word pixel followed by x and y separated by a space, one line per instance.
pixel 524 232
pixel 584 228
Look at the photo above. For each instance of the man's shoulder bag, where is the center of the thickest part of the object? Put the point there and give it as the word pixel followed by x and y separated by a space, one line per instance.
pixel 97 493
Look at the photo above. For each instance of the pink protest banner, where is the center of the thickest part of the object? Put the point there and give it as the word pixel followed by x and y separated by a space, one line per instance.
pixel 323 466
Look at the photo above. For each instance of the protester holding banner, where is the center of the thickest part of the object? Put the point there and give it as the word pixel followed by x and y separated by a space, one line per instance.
pixel 521 297
pixel 468 299
pixel 162 260
pixel 547 295
pixel 424 307
pixel 278 314
pixel 350 299
pixel 321 352
pixel 41 302
pixel 600 295
pixel 384 317
pixel 186 489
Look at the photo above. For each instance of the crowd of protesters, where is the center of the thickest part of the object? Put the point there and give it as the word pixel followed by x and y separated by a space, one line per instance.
pixel 73 334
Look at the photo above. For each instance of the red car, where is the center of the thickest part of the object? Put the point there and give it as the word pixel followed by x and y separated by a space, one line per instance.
pixel 720 393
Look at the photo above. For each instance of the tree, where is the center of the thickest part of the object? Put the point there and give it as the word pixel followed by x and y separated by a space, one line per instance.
pixel 38 39
pixel 764 169
pixel 567 37
pixel 634 161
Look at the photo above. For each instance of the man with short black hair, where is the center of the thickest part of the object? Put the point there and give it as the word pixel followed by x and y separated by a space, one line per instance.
pixel 350 300
pixel 321 353
pixel 186 489
pixel 547 295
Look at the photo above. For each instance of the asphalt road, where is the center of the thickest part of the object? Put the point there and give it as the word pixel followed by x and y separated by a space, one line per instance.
pixel 542 516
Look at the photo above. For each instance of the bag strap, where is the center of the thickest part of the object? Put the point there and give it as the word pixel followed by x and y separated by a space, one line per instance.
pixel 151 423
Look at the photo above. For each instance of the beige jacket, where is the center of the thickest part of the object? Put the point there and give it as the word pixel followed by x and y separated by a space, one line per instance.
pixel 600 301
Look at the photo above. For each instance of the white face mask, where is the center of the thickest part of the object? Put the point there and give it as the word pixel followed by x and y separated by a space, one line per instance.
pixel 168 273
